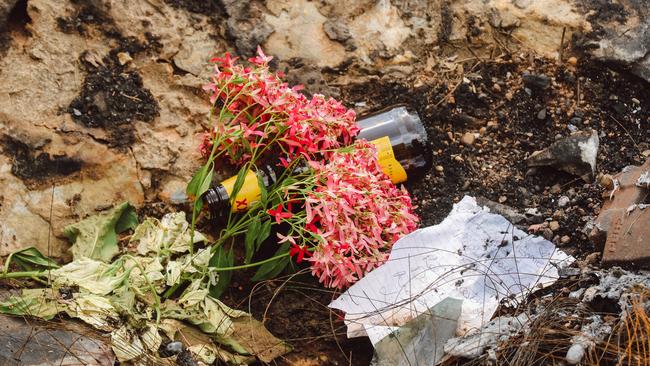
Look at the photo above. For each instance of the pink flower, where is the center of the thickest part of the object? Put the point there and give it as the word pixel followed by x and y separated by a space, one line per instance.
pixel 359 213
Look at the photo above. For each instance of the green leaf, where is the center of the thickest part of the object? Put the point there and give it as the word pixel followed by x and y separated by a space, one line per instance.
pixel 201 181
pixel 239 182
pixel 265 231
pixel 274 268
pixel 251 236
pixel 29 259
pixel 264 194
pixel 220 259
pixel 96 236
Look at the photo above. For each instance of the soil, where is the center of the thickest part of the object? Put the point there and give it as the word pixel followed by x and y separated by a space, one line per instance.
pixel 494 166
pixel 113 98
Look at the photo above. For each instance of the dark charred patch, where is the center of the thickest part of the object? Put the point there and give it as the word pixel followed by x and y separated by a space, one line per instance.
pixel 209 7
pixel 89 13
pixel 15 24
pixel 28 164
pixel 112 98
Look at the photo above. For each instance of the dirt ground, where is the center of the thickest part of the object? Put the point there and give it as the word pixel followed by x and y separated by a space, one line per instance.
pixel 506 116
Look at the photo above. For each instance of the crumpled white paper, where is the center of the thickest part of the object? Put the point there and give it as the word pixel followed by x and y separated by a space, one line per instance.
pixel 473 255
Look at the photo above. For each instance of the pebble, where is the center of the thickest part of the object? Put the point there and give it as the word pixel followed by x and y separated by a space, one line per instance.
pixel 538 81
pixel 468 139
pixel 606 181
pixel 554 225
pixel 556 189
pixel 509 95
pixel 646 153
pixel 76 112
pixel 636 101
pixel 440 168
pixel 502 199
pixel 563 201
pixel 174 347
pixel 565 239
pixel 458 159
pixel 572 60
pixel 541 114
pixel 547 234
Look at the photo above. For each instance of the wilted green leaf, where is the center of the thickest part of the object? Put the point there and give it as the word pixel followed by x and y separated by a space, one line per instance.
pixel 32 302
pixel 29 259
pixel 221 259
pixel 96 236
pixel 274 268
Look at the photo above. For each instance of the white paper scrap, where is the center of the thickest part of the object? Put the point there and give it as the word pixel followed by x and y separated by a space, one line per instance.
pixel 473 255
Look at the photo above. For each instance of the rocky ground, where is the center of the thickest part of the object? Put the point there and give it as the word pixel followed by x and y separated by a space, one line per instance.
pixel 101 102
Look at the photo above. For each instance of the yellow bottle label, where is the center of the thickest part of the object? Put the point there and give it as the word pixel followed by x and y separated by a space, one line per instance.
pixel 248 194
pixel 386 159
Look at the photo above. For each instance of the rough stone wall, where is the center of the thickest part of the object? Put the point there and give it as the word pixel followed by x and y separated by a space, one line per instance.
pixel 101 101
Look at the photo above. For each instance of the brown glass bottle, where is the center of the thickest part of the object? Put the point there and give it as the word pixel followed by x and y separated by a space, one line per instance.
pixel 397 133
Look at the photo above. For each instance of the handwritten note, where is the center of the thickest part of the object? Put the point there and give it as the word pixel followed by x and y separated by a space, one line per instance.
pixel 473 255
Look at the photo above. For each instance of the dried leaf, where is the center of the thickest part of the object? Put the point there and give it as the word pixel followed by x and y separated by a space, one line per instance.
pixel 171 233
pixel 193 294
pixel 93 276
pixel 96 236
pixel 95 310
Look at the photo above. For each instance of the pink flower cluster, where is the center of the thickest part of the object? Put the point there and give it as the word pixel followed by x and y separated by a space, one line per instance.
pixel 357 213
pixel 257 110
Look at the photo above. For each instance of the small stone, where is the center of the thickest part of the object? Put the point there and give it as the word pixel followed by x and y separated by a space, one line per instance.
pixel 458 159
pixel 606 181
pixel 563 201
pixel 496 87
pixel 124 58
pixel 502 199
pixel 572 60
pixel 440 168
pixel 76 112
pixel 541 114
pixel 509 95
pixel 467 139
pixel 565 239
pixel 554 225
pixel 646 153
pixel 636 101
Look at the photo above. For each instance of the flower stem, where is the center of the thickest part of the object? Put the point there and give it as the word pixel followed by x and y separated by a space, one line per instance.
pixel 29 274
pixel 250 265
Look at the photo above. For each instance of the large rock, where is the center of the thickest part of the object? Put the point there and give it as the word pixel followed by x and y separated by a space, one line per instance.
pixel 624 35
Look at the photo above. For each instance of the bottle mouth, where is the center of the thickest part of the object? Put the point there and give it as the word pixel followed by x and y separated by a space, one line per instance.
pixel 406 132
pixel 217 200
